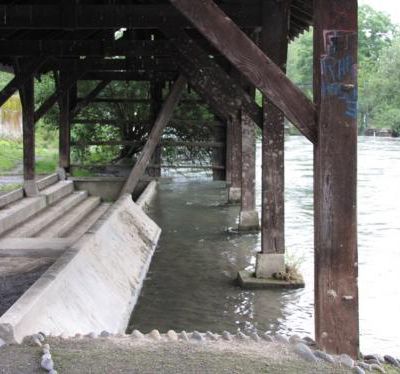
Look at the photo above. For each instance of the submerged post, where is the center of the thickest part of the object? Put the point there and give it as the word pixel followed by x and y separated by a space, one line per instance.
pixel 235 187
pixel 28 130
pixel 335 91
pixel 155 135
pixel 274 42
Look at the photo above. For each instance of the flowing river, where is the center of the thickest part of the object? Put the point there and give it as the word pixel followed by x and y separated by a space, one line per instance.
pixel 190 285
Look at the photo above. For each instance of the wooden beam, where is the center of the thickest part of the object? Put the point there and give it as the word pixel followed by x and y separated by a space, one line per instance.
pixel 211 78
pixel 89 98
pixel 239 49
pixel 155 136
pixel 336 261
pixel 20 79
pixel 274 42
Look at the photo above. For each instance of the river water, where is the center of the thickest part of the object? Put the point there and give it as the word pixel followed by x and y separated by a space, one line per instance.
pixel 190 285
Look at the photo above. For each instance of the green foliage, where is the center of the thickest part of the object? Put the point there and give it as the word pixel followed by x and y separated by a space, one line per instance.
pixel 10 154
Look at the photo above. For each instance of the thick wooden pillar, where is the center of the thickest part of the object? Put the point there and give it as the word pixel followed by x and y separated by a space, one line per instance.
pixel 219 154
pixel 273 42
pixel 228 159
pixel 156 98
pixel 65 123
pixel 235 188
pixel 248 219
pixel 28 130
pixel 336 263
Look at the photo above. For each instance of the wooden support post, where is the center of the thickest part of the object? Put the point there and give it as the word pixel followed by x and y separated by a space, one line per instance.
pixel 240 50
pixel 228 163
pixel 336 263
pixel 248 220
pixel 65 125
pixel 155 135
pixel 156 93
pixel 219 154
pixel 274 42
pixel 27 92
pixel 235 188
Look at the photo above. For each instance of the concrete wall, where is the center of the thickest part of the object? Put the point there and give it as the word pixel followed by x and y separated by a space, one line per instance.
pixel 95 284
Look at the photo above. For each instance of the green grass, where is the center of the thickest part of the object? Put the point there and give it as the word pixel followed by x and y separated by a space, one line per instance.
pixel 4 188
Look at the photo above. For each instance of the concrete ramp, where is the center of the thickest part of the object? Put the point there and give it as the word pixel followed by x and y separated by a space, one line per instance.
pixel 94 285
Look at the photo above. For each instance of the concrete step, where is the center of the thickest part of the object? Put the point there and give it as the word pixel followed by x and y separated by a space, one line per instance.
pixel 88 222
pixel 66 223
pixel 30 228
pixel 58 191
pixel 47 181
pixel 18 212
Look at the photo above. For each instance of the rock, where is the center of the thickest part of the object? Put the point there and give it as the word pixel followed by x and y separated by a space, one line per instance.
pixel 358 370
pixel 105 334
pixel 324 356
pixel 281 339
pixel 172 336
pixel 364 365
pixel 304 352
pixel 211 336
pixel 374 357
pixel 46 351
pixel 91 335
pixel 46 346
pixel 46 356
pixel 78 336
pixel 41 336
pixel 378 368
pixel 268 338
pixel 137 334
pixel 392 361
pixel 184 336
pixel 47 364
pixel 254 336
pixel 346 361
pixel 226 336
pixel 241 336
pixel 294 339
pixel 197 336
pixel 36 341
pixel 2 343
pixel 310 342
pixel 155 335
pixel 53 371
pixel 372 361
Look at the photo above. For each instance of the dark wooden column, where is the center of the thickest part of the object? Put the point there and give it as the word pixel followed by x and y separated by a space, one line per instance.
pixel 234 192
pixel 219 154
pixel 65 123
pixel 28 129
pixel 273 42
pixel 248 219
pixel 336 263
pixel 156 89
pixel 228 159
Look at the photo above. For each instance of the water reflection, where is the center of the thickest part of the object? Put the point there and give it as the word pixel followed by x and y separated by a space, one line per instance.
pixel 190 283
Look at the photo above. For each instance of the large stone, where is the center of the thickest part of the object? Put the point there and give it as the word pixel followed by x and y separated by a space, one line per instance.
pixel 269 263
pixel 249 281
pixel 249 221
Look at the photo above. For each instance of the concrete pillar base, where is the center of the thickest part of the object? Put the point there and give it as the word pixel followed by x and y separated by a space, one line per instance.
pixel 249 221
pixel 62 174
pixel 269 263
pixel 31 188
pixel 234 195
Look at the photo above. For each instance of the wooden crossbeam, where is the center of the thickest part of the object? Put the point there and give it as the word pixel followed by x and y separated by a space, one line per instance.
pixel 89 98
pixel 239 49
pixel 20 79
pixel 155 135
pixel 211 77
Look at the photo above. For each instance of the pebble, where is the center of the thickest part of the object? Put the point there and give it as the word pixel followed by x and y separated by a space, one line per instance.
pixel 36 340
pixel 358 370
pixel 41 336
pixel 268 338
pixel 378 358
pixel 211 336
pixel 53 371
pixel 241 336
pixel 172 335
pixel 137 334
pixel 294 339
pixel 372 361
pixel 46 346
pixel 184 336
pixel 105 334
pixel 392 361
pixel 254 336
pixel 226 336
pixel 197 336
pixel 310 342
pixel 155 334
pixel 378 368
pixel 91 335
pixel 364 366
pixel 47 364
pixel 46 351
pixel 46 356
pixel 304 352
pixel 324 356
pixel 346 360
pixel 281 339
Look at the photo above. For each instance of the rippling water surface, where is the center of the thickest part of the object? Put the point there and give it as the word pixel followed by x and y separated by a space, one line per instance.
pixel 190 283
